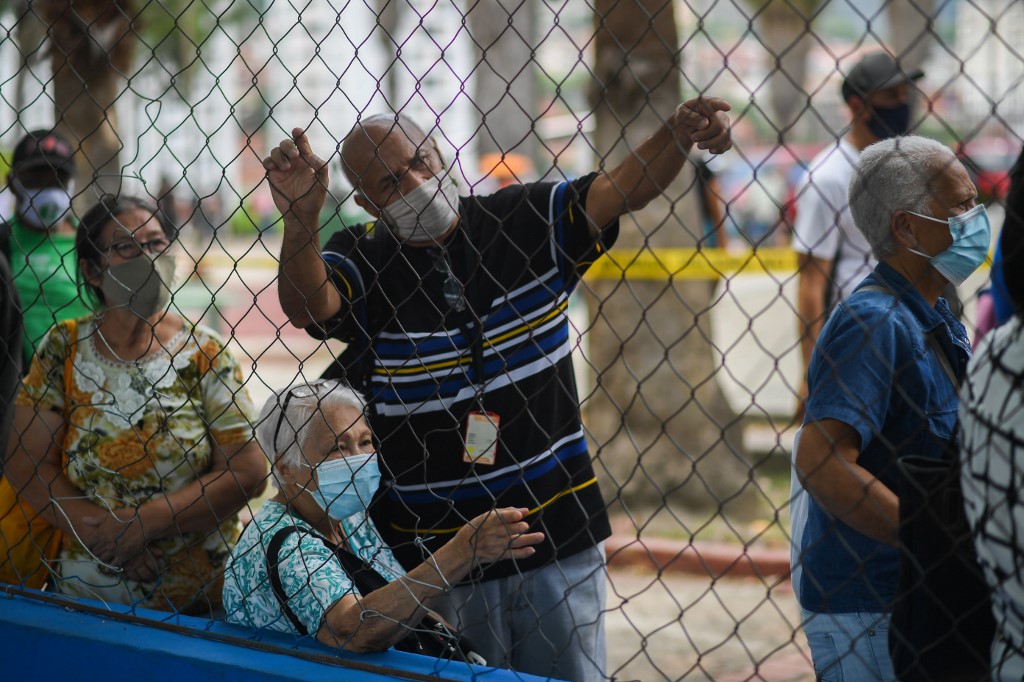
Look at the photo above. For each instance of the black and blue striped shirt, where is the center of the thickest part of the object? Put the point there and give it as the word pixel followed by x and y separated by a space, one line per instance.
pixel 519 253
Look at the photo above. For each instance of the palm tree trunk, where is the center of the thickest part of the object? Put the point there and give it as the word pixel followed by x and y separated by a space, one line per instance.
pixel 784 28
pixel 504 76
pixel 910 35
pixel 389 13
pixel 29 35
pixel 663 431
pixel 91 48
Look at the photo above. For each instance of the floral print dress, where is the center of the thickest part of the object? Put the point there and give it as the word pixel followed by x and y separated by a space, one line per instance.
pixel 136 431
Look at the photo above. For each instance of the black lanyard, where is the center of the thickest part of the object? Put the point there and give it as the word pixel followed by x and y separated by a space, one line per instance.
pixel 469 321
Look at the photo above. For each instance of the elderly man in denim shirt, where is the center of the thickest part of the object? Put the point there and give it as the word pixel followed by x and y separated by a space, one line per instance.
pixel 883 383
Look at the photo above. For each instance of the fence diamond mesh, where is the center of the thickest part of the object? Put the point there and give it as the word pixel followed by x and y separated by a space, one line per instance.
pixel 574 258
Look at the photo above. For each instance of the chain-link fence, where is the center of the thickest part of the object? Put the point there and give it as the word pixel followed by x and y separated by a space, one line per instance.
pixel 551 302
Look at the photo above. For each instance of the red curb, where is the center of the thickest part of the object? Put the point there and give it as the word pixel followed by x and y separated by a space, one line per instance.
pixel 712 559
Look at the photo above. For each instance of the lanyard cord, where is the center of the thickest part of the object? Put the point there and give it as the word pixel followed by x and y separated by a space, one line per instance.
pixel 469 322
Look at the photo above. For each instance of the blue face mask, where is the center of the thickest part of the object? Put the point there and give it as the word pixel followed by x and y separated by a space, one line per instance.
pixel 971 234
pixel 889 122
pixel 346 486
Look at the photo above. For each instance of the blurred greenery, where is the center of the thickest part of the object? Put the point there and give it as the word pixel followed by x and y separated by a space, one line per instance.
pixel 177 30
pixel 246 221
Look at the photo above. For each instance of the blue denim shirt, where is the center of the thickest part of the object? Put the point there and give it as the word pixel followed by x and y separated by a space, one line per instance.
pixel 874 369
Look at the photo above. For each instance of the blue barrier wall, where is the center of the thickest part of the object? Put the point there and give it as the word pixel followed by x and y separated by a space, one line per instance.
pixel 54 638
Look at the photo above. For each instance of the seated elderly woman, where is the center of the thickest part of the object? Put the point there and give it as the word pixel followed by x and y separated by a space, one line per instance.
pixel 153 424
pixel 326 469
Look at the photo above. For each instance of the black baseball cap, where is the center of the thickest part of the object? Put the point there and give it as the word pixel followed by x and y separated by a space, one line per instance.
pixel 876 71
pixel 43 148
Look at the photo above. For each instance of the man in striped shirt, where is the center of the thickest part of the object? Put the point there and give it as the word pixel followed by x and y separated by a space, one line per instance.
pixel 454 310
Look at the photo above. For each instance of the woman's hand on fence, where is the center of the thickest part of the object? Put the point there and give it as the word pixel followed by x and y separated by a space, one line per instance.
pixel 500 534
pixel 298 179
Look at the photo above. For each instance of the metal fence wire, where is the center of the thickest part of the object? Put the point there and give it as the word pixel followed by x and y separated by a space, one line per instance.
pixel 489 219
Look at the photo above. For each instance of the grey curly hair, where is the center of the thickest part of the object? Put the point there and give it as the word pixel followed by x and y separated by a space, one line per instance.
pixel 892 175
pixel 283 426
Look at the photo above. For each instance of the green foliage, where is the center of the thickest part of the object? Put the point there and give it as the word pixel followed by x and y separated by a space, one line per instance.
pixel 177 30
pixel 246 221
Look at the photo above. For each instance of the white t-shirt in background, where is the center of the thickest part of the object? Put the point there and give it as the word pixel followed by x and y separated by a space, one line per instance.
pixel 824 225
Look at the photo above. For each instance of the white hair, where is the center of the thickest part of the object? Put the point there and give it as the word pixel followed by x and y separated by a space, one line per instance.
pixel 283 426
pixel 895 174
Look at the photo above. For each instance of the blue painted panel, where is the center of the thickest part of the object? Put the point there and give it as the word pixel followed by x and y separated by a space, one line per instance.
pixel 83 640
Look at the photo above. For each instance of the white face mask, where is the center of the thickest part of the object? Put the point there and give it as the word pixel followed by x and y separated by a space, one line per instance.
pixel 43 208
pixel 425 214
pixel 142 284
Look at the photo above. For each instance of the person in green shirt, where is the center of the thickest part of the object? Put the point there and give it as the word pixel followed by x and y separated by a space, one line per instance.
pixel 39 239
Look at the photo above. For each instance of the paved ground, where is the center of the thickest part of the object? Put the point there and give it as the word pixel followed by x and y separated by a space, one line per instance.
pixel 661 624
pixel 678 626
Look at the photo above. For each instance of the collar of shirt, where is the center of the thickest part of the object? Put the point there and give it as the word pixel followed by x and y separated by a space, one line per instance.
pixel 929 318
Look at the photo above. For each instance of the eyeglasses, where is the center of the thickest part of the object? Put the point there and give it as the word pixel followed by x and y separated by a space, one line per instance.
pixel 134 249
pixel 454 293
pixel 316 388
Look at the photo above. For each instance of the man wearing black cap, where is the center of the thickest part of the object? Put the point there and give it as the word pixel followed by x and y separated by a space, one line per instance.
pixel 39 241
pixel 833 256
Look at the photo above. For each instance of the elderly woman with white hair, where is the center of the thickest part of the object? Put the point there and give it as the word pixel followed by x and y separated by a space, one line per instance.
pixel 326 469
pixel 882 384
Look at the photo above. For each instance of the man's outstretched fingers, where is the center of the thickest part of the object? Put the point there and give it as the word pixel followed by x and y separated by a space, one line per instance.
pixel 707 106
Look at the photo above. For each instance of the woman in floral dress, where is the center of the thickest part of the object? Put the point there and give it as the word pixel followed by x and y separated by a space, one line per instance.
pixel 155 427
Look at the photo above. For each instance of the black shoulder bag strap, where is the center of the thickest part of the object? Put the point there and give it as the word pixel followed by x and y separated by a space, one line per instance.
pixel 363 576
pixel 431 638
pixel 5 240
pixel 274 571
pixel 832 281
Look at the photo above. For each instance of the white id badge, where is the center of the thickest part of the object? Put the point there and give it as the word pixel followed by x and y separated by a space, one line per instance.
pixel 481 438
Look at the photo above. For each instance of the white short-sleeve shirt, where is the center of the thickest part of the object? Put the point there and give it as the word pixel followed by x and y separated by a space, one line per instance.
pixel 824 225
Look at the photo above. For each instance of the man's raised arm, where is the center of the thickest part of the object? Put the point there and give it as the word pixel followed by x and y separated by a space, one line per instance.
pixel 298 182
pixel 654 164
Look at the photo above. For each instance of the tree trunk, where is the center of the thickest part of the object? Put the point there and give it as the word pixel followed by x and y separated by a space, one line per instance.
pixel 910 37
pixel 504 75
pixel 783 27
pixel 29 34
pixel 388 17
pixel 663 432
pixel 91 48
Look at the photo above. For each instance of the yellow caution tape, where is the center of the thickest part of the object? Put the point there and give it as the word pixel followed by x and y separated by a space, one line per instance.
pixel 655 265
pixel 704 264
pixel 659 265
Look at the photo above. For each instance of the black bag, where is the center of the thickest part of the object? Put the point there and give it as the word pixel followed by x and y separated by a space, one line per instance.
pixel 942 624
pixel 430 638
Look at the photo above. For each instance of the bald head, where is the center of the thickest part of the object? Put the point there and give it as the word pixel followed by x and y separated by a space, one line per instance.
pixel 363 144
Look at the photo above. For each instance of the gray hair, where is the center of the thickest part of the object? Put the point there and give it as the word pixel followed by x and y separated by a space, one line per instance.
pixel 283 426
pixel 892 175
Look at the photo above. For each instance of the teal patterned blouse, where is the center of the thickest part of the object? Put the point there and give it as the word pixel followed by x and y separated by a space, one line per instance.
pixel 311 575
